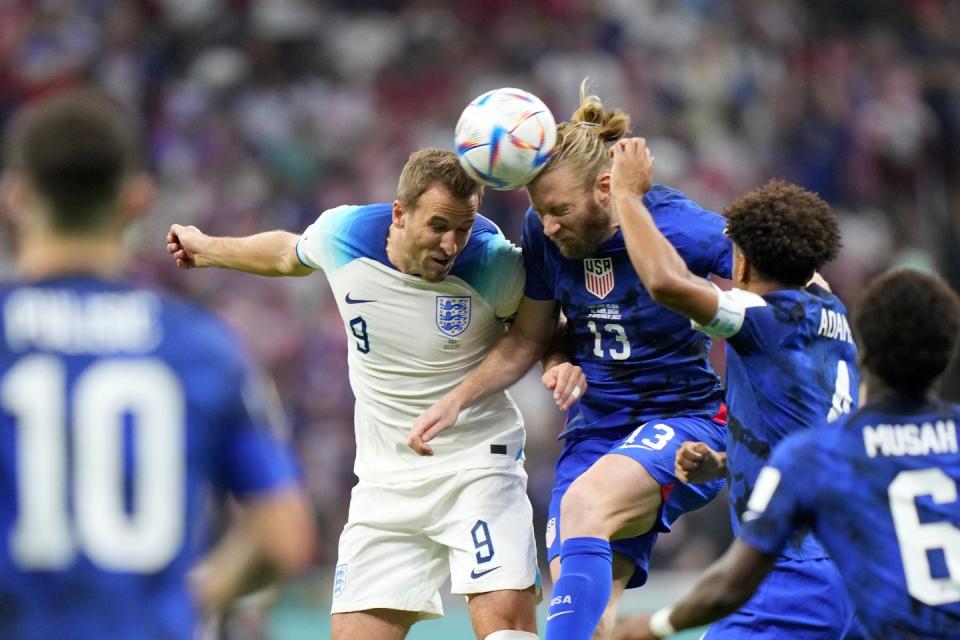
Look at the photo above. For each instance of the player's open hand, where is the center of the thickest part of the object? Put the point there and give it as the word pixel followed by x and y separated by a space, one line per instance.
pixel 435 420
pixel 634 628
pixel 184 244
pixel 696 462
pixel 632 169
pixel 567 383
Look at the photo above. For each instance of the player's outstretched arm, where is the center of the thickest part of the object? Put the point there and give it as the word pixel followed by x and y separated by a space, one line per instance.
pixel 272 538
pixel 726 586
pixel 662 270
pixel 516 351
pixel 271 253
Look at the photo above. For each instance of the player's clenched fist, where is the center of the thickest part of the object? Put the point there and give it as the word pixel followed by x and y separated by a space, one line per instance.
pixel 184 244
pixel 567 383
pixel 632 168
pixel 696 463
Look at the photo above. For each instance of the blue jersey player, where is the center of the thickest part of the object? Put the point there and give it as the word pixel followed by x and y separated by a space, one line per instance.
pixel 651 386
pixel 791 363
pixel 119 408
pixel 879 488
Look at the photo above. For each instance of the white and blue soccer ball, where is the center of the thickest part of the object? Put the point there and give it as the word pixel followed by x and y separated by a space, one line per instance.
pixel 505 137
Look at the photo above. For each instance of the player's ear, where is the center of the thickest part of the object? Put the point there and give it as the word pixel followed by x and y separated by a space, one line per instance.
pixel 136 197
pixel 399 217
pixel 742 269
pixel 602 188
pixel 15 197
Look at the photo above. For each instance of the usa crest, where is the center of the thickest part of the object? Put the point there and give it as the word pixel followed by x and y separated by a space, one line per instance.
pixel 453 314
pixel 339 580
pixel 598 276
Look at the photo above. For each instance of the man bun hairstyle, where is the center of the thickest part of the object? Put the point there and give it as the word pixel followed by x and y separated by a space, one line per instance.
pixel 786 232
pixel 75 149
pixel 428 167
pixel 584 140
pixel 907 324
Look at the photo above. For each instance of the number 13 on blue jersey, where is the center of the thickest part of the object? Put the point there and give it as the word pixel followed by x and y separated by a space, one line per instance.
pixel 614 335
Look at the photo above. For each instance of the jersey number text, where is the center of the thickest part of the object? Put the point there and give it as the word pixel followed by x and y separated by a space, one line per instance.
pixel 105 398
pixel 916 539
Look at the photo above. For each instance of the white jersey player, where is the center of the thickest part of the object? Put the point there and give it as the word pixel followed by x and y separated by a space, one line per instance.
pixel 423 286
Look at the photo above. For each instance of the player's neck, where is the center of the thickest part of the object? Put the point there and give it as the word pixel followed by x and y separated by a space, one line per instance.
pixel 50 255
pixel 763 287
pixel 876 390
pixel 394 253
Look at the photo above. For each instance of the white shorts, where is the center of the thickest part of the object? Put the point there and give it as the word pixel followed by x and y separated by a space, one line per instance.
pixel 402 541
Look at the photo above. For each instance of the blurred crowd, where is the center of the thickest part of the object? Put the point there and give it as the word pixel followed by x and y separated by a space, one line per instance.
pixel 263 113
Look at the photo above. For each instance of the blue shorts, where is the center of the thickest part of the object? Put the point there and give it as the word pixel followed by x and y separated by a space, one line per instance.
pixel 799 599
pixel 654 445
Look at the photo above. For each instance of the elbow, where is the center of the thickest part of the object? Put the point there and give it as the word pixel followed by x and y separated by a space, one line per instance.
pixel 294 556
pixel 731 599
pixel 289 544
pixel 726 596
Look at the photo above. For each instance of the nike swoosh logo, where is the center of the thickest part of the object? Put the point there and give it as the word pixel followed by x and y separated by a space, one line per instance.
pixel 479 574
pixel 551 616
pixel 355 301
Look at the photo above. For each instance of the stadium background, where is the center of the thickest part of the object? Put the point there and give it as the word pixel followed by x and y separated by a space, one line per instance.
pixel 262 113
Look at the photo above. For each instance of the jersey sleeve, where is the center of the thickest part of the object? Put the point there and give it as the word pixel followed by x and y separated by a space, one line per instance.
pixel 538 285
pixel 253 458
pixel 696 233
pixel 317 246
pixel 509 271
pixel 780 502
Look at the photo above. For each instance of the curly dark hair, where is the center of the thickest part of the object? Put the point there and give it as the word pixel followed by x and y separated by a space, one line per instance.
pixel 785 231
pixel 907 324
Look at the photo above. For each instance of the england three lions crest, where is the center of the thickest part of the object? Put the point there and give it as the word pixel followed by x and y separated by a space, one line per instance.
pixel 598 276
pixel 453 314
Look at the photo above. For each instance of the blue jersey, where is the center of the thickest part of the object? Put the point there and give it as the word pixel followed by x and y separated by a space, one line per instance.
pixel 790 366
pixel 119 409
pixel 642 360
pixel 879 490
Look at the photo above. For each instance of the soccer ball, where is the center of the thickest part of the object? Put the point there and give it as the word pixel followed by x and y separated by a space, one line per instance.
pixel 505 137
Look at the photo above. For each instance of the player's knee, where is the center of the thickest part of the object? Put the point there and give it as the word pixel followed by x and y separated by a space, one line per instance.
pixel 511 634
pixel 580 505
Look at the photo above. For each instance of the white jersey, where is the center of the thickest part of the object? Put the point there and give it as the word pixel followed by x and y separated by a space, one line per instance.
pixel 412 341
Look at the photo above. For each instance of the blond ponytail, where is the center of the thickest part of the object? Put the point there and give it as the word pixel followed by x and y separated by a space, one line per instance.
pixel 583 141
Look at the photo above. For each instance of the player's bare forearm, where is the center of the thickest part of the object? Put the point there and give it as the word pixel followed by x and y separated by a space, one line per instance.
pixel 514 354
pixel 271 253
pixel 660 267
pixel 270 538
pixel 558 351
pixel 232 569
pixel 725 586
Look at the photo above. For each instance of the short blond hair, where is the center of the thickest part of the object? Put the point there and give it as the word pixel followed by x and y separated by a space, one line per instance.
pixel 428 167
pixel 584 140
